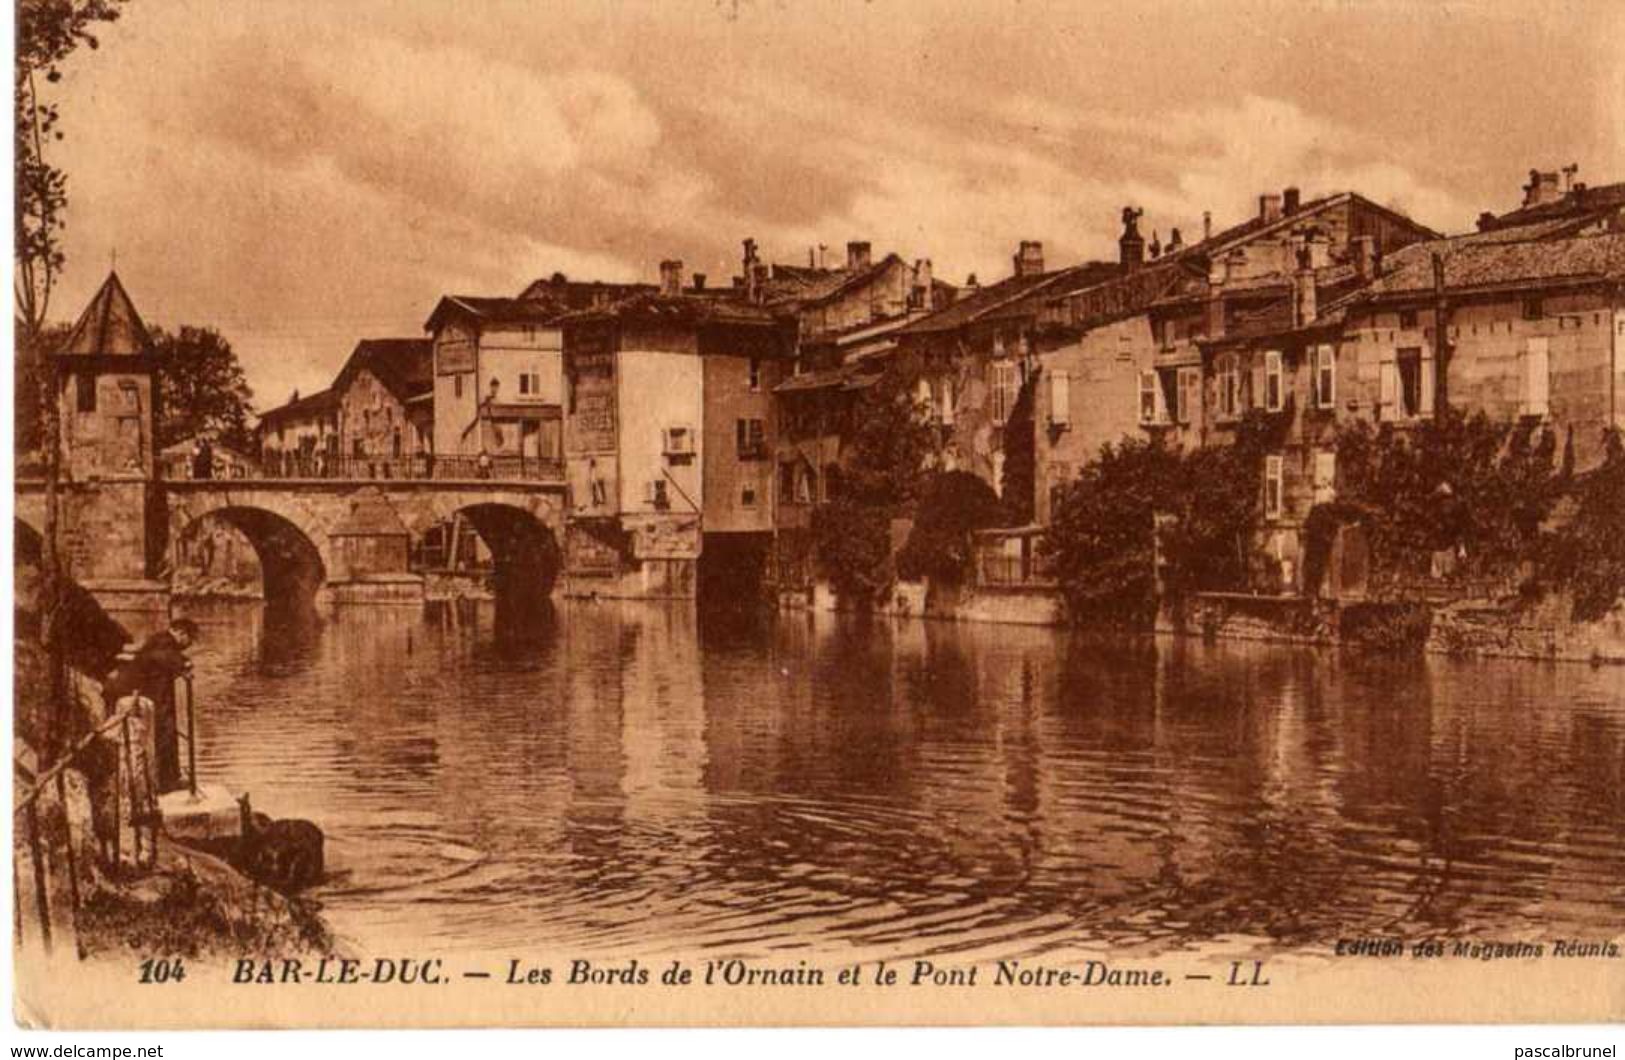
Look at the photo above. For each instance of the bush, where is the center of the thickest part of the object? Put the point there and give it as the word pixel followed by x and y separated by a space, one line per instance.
pixel 953 504
pixel 1586 555
pixel 853 541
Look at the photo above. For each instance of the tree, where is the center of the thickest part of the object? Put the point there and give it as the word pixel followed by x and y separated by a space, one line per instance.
pixel 203 388
pixel 953 505
pixel 48 31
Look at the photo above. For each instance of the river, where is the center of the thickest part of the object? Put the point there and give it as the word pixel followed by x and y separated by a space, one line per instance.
pixel 627 779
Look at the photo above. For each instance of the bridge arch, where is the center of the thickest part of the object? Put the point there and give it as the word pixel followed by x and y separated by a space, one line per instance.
pixel 293 549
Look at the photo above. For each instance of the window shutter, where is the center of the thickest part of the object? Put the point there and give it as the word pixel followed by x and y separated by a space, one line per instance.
pixel 1060 399
pixel 1427 382
pixel 949 400
pixel 1274 382
pixel 1325 475
pixel 1389 396
pixel 1537 365
pixel 1148 399
pixel 1273 486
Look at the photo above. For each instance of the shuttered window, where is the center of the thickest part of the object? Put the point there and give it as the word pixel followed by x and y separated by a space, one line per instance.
pixel 1060 399
pixel 1274 486
pixel 1274 382
pixel 1537 377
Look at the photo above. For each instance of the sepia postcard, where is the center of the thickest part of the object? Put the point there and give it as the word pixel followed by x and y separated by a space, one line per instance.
pixel 751 512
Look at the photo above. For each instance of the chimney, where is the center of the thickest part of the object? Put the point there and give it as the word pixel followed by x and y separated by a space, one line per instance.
pixel 756 287
pixel 1175 242
pixel 922 283
pixel 751 277
pixel 1569 173
pixel 1303 290
pixel 1130 245
pixel 857 256
pixel 671 278
pixel 1029 259
pixel 1365 258
pixel 1269 207
pixel 1289 201
pixel 699 281
pixel 970 281
pixel 1156 245
pixel 1207 225
pixel 1486 221
pixel 1541 189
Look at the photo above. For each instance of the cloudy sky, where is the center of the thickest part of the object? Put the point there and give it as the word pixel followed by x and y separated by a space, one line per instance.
pixel 304 173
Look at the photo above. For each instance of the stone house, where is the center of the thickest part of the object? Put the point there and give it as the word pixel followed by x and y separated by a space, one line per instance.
pixel 301 437
pixel 385 397
pixel 668 429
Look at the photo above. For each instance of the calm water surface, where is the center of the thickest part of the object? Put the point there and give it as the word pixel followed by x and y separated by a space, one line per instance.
pixel 631 780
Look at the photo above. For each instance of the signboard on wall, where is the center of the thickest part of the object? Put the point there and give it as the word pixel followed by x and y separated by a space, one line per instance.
pixel 590 366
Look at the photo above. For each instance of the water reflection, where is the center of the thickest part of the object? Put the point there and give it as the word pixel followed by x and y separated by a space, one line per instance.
pixel 628 777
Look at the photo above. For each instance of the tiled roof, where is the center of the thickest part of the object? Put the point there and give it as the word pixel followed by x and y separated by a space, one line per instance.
pixel 973 305
pixel 1586 205
pixel 535 310
pixel 681 310
pixel 580 294
pixel 792 285
pixel 846 377
pixel 1471 264
pixel 404 366
pixel 109 326
pixel 323 401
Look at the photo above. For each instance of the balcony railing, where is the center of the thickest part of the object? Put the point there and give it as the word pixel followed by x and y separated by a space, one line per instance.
pixel 421 467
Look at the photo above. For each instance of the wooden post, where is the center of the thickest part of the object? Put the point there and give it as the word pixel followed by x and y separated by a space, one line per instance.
pixel 67 840
pixel 191 737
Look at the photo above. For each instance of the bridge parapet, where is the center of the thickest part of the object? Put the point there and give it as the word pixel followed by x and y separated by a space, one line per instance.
pixel 419 468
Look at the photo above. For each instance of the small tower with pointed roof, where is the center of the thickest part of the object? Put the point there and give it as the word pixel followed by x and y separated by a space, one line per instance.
pixel 106 371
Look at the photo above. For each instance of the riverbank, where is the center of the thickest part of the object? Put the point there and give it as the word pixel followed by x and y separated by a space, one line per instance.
pixel 1512 628
pixel 193 904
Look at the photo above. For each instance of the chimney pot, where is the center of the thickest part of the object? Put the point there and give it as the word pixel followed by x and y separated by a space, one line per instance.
pixel 1289 201
pixel 1365 258
pixel 1207 225
pixel 1269 207
pixel 671 277
pixel 1176 242
pixel 857 255
pixel 1486 221
pixel 1131 245
pixel 699 281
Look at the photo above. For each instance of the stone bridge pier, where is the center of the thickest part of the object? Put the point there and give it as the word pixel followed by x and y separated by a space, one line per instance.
pixel 347 542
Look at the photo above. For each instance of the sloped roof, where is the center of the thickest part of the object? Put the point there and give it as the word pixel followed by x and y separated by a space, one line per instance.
pixel 404 366
pixel 534 310
pixel 1584 204
pixel 1471 264
pixel 319 403
pixel 798 286
pixel 973 305
pixel 109 326
pixel 680 310
pixel 580 294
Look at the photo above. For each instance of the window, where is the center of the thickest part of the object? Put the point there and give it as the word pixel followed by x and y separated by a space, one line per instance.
pixel 1325 376
pixel 85 391
pixel 1537 378
pixel 1414 391
pixel 1150 403
pixel 755 373
pixel 1274 486
pixel 1407 319
pixel 747 497
pixel 524 382
pixel 1005 384
pixel 1534 309
pixel 1190 393
pixel 457 385
pixel 1060 399
pixel 677 441
pixel 806 487
pixel 657 495
pixel 751 436
pixel 787 483
pixel 1274 382
pixel 1325 475
pixel 1229 387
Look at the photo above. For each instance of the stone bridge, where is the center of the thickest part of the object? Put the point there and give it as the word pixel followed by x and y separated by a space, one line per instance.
pixel 349 540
